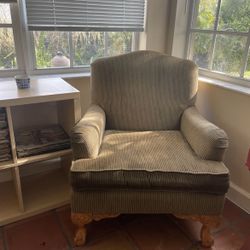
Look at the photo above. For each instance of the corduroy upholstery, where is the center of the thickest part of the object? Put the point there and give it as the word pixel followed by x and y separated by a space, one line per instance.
pixel 208 141
pixel 146 201
pixel 141 90
pixel 127 160
pixel 88 133
pixel 142 146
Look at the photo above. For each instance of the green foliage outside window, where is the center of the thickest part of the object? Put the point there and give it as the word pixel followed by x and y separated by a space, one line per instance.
pixel 7 46
pixel 229 49
pixel 86 46
pixel 47 44
pixel 7 49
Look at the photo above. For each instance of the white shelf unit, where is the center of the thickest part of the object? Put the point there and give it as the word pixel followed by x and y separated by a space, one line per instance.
pixel 25 195
pixel 9 206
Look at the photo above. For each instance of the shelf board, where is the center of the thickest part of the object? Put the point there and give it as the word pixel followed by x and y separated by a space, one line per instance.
pixel 35 158
pixel 42 157
pixel 35 193
pixel 41 90
pixel 7 164
pixel 45 191
pixel 41 192
pixel 8 203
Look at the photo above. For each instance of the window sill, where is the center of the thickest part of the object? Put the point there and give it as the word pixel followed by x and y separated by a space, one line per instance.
pixel 62 75
pixel 226 85
pixel 207 80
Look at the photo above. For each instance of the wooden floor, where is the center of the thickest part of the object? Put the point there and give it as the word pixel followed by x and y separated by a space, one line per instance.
pixel 54 231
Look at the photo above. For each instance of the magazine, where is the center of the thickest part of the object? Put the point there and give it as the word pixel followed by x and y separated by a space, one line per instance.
pixel 41 140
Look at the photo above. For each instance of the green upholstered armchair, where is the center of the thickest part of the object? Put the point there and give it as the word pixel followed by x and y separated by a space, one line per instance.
pixel 142 146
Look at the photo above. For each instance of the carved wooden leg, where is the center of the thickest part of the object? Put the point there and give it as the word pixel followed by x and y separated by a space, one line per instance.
pixel 208 222
pixel 81 220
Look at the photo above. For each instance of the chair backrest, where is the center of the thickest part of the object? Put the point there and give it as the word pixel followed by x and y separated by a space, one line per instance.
pixel 143 90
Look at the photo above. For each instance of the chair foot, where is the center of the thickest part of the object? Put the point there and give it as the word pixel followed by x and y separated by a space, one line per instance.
pixel 208 222
pixel 80 220
pixel 80 237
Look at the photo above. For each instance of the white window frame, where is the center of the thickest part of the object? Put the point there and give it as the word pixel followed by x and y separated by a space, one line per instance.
pixel 17 42
pixel 25 49
pixel 208 72
pixel 71 68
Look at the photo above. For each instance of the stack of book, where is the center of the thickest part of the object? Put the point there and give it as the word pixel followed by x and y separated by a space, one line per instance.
pixel 5 150
pixel 35 141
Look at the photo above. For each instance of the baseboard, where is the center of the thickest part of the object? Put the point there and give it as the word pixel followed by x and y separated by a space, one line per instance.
pixel 239 196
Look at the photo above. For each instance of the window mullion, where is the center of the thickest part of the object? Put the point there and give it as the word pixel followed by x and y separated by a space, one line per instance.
pixel 245 56
pixel 135 41
pixel 192 8
pixel 26 39
pixel 71 50
pixel 211 57
pixel 195 11
pixel 32 51
pixel 214 35
pixel 105 43
pixel 17 37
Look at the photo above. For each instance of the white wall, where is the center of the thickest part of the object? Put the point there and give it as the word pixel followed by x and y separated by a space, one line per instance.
pixel 83 85
pixel 230 110
pixel 178 23
pixel 154 38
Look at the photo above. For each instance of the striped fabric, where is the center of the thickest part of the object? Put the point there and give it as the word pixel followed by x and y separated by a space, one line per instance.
pixel 143 90
pixel 134 179
pixel 152 158
pixel 149 201
pixel 86 137
pixel 208 141
pixel 164 151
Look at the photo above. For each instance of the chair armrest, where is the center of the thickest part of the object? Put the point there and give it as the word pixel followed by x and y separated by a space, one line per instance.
pixel 208 141
pixel 86 136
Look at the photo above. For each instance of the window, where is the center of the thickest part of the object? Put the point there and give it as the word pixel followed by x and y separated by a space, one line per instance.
pixel 72 34
pixel 8 58
pixel 58 36
pixel 219 36
pixel 77 49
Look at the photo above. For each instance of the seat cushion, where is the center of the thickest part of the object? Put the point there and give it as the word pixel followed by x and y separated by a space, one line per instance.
pixel 160 160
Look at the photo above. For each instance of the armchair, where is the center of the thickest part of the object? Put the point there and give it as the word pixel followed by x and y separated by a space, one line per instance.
pixel 142 146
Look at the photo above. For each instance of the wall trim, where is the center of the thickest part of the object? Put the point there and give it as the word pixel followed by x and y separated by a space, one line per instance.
pixel 239 196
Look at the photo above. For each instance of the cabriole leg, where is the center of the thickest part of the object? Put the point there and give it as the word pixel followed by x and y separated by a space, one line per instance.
pixel 208 223
pixel 81 220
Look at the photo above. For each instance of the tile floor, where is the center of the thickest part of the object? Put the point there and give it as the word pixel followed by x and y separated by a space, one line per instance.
pixel 54 231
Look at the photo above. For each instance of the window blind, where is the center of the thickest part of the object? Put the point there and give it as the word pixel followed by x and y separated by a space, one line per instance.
pixel 8 1
pixel 86 15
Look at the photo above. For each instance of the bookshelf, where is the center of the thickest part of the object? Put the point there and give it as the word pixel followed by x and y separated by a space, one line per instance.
pixel 48 101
